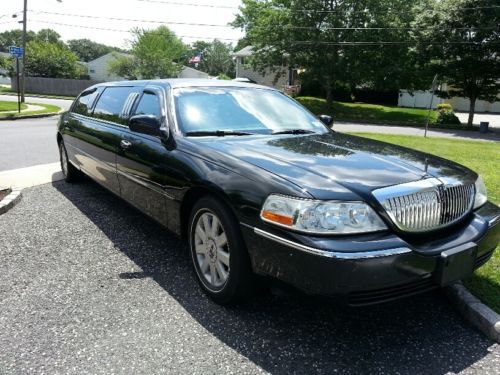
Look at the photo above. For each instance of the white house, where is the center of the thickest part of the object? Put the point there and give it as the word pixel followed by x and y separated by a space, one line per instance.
pixel 421 99
pixel 279 77
pixel 98 69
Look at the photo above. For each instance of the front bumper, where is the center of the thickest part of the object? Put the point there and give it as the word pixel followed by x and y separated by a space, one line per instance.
pixel 370 268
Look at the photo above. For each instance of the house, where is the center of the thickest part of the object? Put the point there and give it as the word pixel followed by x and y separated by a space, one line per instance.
pixel 421 99
pixel 280 77
pixel 98 69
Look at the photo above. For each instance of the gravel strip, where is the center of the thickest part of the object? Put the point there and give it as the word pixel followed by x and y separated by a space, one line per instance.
pixel 89 285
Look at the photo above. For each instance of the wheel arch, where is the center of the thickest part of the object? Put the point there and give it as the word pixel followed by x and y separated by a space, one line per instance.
pixel 192 196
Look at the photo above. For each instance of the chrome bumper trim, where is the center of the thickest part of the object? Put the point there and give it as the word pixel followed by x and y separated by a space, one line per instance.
pixel 333 254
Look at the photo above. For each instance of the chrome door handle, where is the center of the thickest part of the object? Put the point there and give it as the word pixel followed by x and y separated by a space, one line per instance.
pixel 125 144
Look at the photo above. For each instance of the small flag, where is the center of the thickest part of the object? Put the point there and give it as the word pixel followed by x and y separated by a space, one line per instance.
pixel 195 59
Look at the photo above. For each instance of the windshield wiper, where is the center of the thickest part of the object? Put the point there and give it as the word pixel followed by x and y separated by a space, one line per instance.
pixel 294 131
pixel 217 133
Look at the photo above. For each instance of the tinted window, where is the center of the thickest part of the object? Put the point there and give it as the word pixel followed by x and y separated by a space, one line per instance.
pixel 111 102
pixel 149 105
pixel 84 103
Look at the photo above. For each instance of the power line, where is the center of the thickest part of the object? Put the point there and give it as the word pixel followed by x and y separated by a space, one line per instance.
pixel 133 20
pixel 306 42
pixel 190 4
pixel 298 10
pixel 272 27
pixel 125 31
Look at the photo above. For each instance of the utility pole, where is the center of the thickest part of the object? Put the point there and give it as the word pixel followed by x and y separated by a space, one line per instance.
pixel 23 72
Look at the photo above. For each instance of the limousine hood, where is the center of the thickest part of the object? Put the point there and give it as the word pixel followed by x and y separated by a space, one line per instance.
pixel 318 162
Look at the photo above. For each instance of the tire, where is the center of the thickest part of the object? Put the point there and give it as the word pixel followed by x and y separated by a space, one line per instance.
pixel 70 173
pixel 216 255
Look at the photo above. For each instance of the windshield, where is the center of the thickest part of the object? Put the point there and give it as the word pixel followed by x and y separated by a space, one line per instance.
pixel 235 109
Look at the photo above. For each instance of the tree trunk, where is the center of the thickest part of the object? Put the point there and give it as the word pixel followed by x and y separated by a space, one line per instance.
pixel 329 96
pixel 471 111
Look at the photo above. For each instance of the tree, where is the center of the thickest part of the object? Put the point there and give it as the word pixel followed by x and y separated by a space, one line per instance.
pixel 50 60
pixel 48 36
pixel 464 49
pixel 339 42
pixel 156 53
pixel 124 66
pixel 5 65
pixel 14 38
pixel 216 57
pixel 87 50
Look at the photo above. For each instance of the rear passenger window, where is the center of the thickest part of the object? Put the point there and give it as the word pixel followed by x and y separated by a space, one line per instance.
pixel 84 102
pixel 149 105
pixel 111 104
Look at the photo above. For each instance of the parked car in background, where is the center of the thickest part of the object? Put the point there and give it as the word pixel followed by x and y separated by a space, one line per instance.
pixel 262 189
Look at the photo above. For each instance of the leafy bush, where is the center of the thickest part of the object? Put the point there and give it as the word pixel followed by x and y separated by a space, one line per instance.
pixel 445 107
pixel 447 116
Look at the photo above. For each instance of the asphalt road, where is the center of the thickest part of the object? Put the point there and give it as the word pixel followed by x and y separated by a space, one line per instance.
pixel 24 143
pixel 89 285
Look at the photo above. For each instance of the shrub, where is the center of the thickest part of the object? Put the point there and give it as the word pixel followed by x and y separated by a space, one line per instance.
pixel 447 116
pixel 444 106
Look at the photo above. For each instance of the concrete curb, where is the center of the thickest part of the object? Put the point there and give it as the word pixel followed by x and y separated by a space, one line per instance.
pixel 474 311
pixel 41 115
pixel 13 198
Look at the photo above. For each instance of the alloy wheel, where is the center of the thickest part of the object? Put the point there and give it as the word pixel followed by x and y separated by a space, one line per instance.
pixel 212 250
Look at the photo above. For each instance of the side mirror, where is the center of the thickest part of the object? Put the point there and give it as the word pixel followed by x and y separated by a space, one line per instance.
pixel 327 120
pixel 145 124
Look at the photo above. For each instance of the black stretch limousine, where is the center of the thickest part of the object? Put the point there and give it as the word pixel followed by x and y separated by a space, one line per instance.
pixel 263 190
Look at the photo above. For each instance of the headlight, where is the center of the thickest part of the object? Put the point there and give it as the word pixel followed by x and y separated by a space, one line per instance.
pixel 321 217
pixel 481 194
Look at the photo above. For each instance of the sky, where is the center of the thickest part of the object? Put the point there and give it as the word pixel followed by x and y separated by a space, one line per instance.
pixel 179 15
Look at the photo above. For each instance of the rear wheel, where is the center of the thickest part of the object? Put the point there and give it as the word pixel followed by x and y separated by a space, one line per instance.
pixel 70 173
pixel 218 252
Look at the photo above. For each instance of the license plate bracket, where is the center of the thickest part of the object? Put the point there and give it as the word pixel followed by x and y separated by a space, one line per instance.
pixel 456 263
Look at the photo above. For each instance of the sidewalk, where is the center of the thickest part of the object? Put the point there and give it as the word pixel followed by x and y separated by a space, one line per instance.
pixel 29 108
pixel 31 176
pixel 350 127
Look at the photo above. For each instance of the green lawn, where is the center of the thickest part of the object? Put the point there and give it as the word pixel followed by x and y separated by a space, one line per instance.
pixel 484 158
pixel 5 90
pixel 368 112
pixel 10 106
pixel 47 108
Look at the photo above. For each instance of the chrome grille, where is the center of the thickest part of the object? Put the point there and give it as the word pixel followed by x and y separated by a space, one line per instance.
pixel 435 205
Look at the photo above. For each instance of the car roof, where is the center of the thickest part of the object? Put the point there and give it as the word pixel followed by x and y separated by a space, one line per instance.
pixel 184 82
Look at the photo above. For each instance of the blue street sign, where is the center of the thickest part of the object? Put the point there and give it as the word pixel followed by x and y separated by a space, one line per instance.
pixel 16 51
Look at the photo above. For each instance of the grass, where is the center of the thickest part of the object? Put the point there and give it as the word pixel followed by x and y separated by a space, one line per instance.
pixel 484 158
pixel 372 113
pixel 5 90
pixel 47 109
pixel 10 106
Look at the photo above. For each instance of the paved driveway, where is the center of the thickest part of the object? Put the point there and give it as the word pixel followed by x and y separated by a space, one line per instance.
pixel 89 285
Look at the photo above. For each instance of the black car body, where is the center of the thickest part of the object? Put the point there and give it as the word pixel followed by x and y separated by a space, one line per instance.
pixel 129 137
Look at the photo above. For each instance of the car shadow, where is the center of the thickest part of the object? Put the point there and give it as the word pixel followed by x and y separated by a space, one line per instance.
pixel 289 333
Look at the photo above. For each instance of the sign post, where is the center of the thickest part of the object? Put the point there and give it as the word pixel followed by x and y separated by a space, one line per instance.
pixel 17 52
pixel 434 84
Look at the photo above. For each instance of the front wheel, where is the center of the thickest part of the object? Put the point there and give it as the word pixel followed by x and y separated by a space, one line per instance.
pixel 218 252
